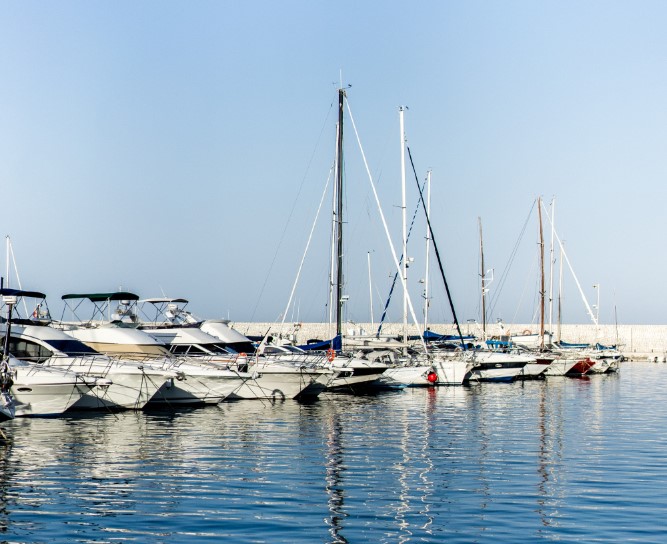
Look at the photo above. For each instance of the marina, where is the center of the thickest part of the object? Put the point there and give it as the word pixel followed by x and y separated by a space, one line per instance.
pixel 570 460
pixel 340 273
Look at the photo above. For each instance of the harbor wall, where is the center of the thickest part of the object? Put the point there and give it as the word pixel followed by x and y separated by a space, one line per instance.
pixel 635 341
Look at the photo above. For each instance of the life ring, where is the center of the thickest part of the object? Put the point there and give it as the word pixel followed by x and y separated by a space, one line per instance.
pixel 242 354
pixel 331 354
pixel 526 332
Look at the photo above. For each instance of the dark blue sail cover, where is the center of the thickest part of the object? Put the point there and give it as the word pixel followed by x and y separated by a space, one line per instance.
pixel 335 343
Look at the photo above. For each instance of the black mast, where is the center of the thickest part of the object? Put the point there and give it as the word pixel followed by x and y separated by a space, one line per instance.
pixel 339 216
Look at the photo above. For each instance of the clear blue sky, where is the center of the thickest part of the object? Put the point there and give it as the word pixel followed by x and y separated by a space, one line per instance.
pixel 182 148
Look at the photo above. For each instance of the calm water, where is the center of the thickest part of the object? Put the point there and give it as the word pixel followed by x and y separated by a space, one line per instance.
pixel 570 460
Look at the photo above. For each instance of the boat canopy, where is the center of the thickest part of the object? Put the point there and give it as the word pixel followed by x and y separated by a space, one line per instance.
pixel 164 300
pixel 6 292
pixel 102 297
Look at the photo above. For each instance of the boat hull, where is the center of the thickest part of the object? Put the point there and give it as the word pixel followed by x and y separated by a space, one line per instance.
pixel 280 382
pixel 355 375
pixel 451 371
pixel 44 391
pixel 127 391
pixel 496 371
pixel 410 376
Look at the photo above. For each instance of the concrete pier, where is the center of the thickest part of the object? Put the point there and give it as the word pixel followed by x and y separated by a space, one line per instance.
pixel 637 342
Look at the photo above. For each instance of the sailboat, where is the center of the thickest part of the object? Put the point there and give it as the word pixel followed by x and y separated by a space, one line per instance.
pixel 560 363
pixel 351 372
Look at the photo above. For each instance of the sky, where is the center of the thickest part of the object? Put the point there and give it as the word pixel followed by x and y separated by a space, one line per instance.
pixel 182 149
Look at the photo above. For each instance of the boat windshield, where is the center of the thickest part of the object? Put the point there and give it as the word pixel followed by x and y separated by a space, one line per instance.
pixel 294 349
pixel 198 349
pixel 239 347
pixel 282 350
pixel 71 347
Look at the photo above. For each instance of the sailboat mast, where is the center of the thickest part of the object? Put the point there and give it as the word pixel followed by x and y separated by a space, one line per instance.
pixel 542 291
pixel 405 227
pixel 551 267
pixel 560 294
pixel 339 215
pixel 482 275
pixel 428 250
pixel 370 288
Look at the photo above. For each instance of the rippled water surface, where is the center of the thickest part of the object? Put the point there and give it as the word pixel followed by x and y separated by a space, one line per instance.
pixel 570 460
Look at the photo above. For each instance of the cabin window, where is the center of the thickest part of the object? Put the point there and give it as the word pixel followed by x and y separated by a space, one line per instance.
pixel 26 349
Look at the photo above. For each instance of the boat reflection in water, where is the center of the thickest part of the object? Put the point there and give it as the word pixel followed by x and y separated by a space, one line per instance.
pixel 490 462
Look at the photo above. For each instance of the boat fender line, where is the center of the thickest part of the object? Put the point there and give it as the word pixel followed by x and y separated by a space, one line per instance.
pixel 331 355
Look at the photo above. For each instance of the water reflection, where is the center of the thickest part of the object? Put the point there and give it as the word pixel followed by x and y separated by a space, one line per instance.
pixel 489 462
pixel 334 484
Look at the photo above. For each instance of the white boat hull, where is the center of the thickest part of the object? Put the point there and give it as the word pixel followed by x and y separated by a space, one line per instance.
pixel 411 376
pixel 196 384
pixel 450 371
pixel 279 382
pixel 355 373
pixel 127 391
pixel 534 370
pixel 495 372
pixel 560 367
pixel 44 392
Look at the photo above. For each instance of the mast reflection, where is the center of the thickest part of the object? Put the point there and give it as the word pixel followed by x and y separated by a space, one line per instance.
pixel 334 477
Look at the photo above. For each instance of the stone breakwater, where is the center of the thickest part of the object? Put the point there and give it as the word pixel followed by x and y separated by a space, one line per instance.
pixel 635 341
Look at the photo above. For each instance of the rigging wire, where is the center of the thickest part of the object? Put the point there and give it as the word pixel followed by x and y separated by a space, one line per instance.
pixel 437 253
pixel 400 261
pixel 505 273
pixel 289 217
pixel 384 222
pixel 303 258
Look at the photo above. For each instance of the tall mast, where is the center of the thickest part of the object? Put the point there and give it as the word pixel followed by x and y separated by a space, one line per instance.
pixel 542 292
pixel 332 243
pixel 405 233
pixel 560 293
pixel 482 275
pixel 339 215
pixel 551 267
pixel 370 288
pixel 428 249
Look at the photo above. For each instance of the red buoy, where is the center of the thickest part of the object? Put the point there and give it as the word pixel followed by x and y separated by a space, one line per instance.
pixel 432 377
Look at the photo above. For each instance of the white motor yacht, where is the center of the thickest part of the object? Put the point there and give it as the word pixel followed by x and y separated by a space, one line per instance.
pixel 497 365
pixel 44 391
pixel 286 377
pixel 356 372
pixel 131 384
pixel 117 335
pixel 35 390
